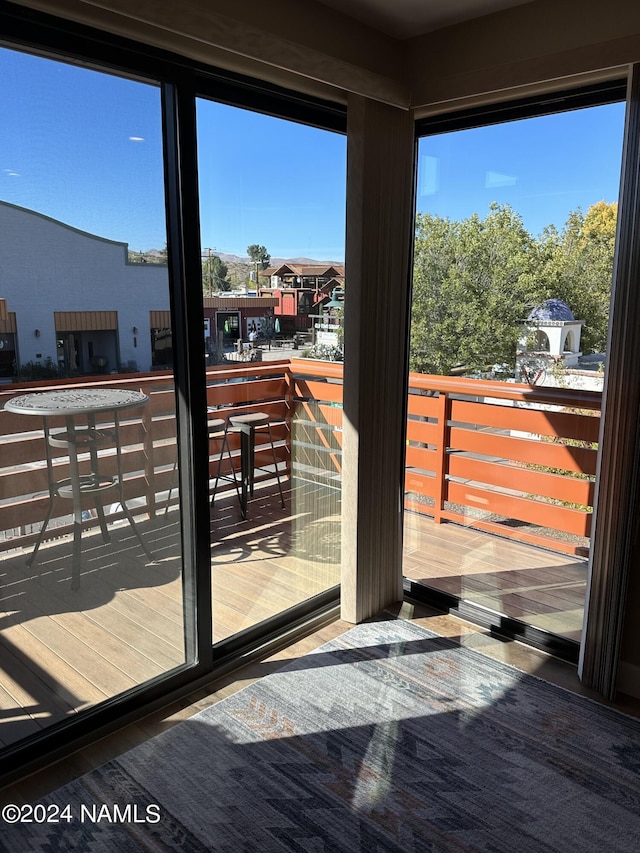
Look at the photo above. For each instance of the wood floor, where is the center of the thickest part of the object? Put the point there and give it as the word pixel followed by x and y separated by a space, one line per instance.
pixel 64 650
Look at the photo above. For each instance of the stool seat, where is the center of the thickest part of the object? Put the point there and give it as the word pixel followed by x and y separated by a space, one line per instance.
pixel 215 426
pixel 252 419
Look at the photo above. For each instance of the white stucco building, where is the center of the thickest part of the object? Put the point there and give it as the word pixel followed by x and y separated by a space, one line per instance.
pixel 551 331
pixel 74 298
pixel 549 350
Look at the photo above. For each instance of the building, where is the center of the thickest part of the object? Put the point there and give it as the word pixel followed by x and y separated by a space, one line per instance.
pixel 549 350
pixel 228 318
pixel 299 291
pixel 551 330
pixel 102 314
pixel 112 315
pixel 378 75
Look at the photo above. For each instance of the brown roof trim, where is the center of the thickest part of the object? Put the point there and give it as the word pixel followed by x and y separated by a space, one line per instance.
pixel 236 302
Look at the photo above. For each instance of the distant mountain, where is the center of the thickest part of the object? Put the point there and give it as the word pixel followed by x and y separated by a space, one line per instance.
pixel 274 262
pixel 244 260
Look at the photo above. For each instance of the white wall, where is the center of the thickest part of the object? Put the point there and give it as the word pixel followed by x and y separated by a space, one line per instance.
pixel 47 266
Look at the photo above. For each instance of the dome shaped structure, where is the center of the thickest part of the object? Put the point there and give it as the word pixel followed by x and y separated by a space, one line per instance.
pixel 552 309
pixel 551 333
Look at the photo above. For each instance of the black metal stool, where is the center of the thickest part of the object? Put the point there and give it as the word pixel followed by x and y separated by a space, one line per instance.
pixel 218 431
pixel 247 425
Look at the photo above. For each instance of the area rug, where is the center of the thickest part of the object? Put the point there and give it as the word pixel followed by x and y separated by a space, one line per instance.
pixel 389 738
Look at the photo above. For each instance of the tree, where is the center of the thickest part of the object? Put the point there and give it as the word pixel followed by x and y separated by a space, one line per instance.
pixel 215 275
pixel 258 256
pixel 578 268
pixel 473 281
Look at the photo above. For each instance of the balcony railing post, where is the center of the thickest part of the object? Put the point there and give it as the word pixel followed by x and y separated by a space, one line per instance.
pixel 147 449
pixel 290 402
pixel 442 458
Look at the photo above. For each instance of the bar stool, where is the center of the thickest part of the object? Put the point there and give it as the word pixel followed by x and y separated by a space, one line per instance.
pixel 218 431
pixel 247 425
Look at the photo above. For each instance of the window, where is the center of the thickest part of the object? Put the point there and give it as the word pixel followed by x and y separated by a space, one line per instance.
pixel 514 248
pixel 103 298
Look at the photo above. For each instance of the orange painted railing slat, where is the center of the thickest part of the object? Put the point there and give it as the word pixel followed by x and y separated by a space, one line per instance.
pixel 578 460
pixel 550 423
pixel 523 509
pixel 539 483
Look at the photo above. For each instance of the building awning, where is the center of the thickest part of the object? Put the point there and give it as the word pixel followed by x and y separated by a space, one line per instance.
pixel 8 324
pixel 85 321
pixel 159 319
pixel 3 309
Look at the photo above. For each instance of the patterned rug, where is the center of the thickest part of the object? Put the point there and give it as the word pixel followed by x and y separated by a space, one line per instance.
pixel 389 738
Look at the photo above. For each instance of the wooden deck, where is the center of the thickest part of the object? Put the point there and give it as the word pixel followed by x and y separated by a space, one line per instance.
pixel 62 651
pixel 540 587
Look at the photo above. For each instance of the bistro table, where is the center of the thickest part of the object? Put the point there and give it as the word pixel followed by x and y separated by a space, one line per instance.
pixel 85 438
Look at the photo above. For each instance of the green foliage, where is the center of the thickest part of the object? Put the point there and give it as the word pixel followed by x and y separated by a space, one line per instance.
pixel 476 278
pixel 215 275
pixel 578 265
pixel 473 281
pixel 32 370
pixel 259 255
pixel 323 352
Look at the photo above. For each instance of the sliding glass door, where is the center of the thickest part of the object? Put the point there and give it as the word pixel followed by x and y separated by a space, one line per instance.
pixel 91 563
pixel 272 211
pixel 131 342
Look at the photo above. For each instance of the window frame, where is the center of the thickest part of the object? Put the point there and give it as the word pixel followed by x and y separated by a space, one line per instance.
pixel 541 104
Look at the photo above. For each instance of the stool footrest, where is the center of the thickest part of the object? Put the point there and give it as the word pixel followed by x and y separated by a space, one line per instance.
pixel 89 485
pixel 83 438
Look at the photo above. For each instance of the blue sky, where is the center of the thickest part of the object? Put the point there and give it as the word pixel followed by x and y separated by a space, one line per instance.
pixel 86 148
pixel 543 167
pixel 82 147
pixel 268 181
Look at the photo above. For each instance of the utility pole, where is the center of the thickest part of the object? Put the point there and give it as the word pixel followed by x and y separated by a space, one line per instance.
pixel 208 262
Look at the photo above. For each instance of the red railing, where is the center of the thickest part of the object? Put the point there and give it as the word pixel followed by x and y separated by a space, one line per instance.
pixel 147 437
pixel 506 458
pixel 510 459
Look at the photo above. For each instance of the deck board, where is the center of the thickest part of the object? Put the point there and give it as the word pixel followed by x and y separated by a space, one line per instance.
pixel 540 587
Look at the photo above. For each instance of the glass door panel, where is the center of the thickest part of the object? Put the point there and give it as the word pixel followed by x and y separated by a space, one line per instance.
pixel 514 250
pixel 272 211
pixel 90 536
